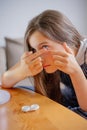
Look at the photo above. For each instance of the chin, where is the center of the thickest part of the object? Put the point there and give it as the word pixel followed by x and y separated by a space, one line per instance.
pixel 50 70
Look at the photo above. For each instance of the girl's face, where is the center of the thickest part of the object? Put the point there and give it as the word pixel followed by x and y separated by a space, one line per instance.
pixel 38 41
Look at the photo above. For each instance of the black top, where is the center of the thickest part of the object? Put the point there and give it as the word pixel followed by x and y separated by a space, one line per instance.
pixel 68 93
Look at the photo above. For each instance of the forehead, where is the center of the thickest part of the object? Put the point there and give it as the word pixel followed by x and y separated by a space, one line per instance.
pixel 37 39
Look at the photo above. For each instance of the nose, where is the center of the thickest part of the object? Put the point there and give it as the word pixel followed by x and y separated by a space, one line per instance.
pixel 46 59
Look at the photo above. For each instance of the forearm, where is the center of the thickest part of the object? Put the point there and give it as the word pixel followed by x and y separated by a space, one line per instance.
pixel 12 76
pixel 80 86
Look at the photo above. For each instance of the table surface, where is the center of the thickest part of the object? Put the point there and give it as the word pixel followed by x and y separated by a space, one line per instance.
pixel 50 116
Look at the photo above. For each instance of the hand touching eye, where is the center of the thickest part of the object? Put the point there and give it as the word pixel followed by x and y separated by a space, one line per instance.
pixel 65 60
pixel 31 63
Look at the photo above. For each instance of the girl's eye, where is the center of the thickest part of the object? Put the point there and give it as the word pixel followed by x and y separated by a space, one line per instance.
pixel 45 46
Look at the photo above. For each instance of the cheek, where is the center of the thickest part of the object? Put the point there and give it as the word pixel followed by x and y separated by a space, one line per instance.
pixel 59 48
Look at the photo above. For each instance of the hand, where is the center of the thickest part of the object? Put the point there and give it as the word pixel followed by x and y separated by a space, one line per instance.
pixel 31 63
pixel 65 60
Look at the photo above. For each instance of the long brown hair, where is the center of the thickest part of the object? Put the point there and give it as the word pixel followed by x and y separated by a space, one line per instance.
pixel 57 27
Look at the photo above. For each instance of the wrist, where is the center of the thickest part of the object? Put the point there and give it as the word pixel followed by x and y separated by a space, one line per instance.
pixel 76 72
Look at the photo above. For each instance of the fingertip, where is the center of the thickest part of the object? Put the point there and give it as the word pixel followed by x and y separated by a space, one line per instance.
pixel 30 52
pixel 65 44
pixel 67 48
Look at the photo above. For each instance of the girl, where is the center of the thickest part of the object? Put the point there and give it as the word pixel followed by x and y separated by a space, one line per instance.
pixel 56 53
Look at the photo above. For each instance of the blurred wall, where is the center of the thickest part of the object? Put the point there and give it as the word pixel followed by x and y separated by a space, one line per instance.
pixel 15 14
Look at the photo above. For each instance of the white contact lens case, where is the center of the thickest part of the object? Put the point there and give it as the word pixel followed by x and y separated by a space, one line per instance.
pixel 33 107
pixel 26 108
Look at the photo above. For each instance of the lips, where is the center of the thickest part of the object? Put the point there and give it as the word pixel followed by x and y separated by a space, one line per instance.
pixel 46 66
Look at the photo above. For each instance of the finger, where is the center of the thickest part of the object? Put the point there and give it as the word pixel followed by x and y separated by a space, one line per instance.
pixel 36 63
pixel 35 69
pixel 60 65
pixel 37 60
pixel 67 48
pixel 60 53
pixel 26 54
pixel 39 69
pixel 37 54
pixel 59 58
pixel 38 66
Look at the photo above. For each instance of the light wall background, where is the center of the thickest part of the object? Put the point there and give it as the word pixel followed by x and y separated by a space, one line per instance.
pixel 15 15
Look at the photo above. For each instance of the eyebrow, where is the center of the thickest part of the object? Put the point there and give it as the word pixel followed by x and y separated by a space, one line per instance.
pixel 42 43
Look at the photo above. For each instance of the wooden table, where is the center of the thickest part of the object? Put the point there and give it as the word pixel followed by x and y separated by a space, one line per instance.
pixel 50 116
